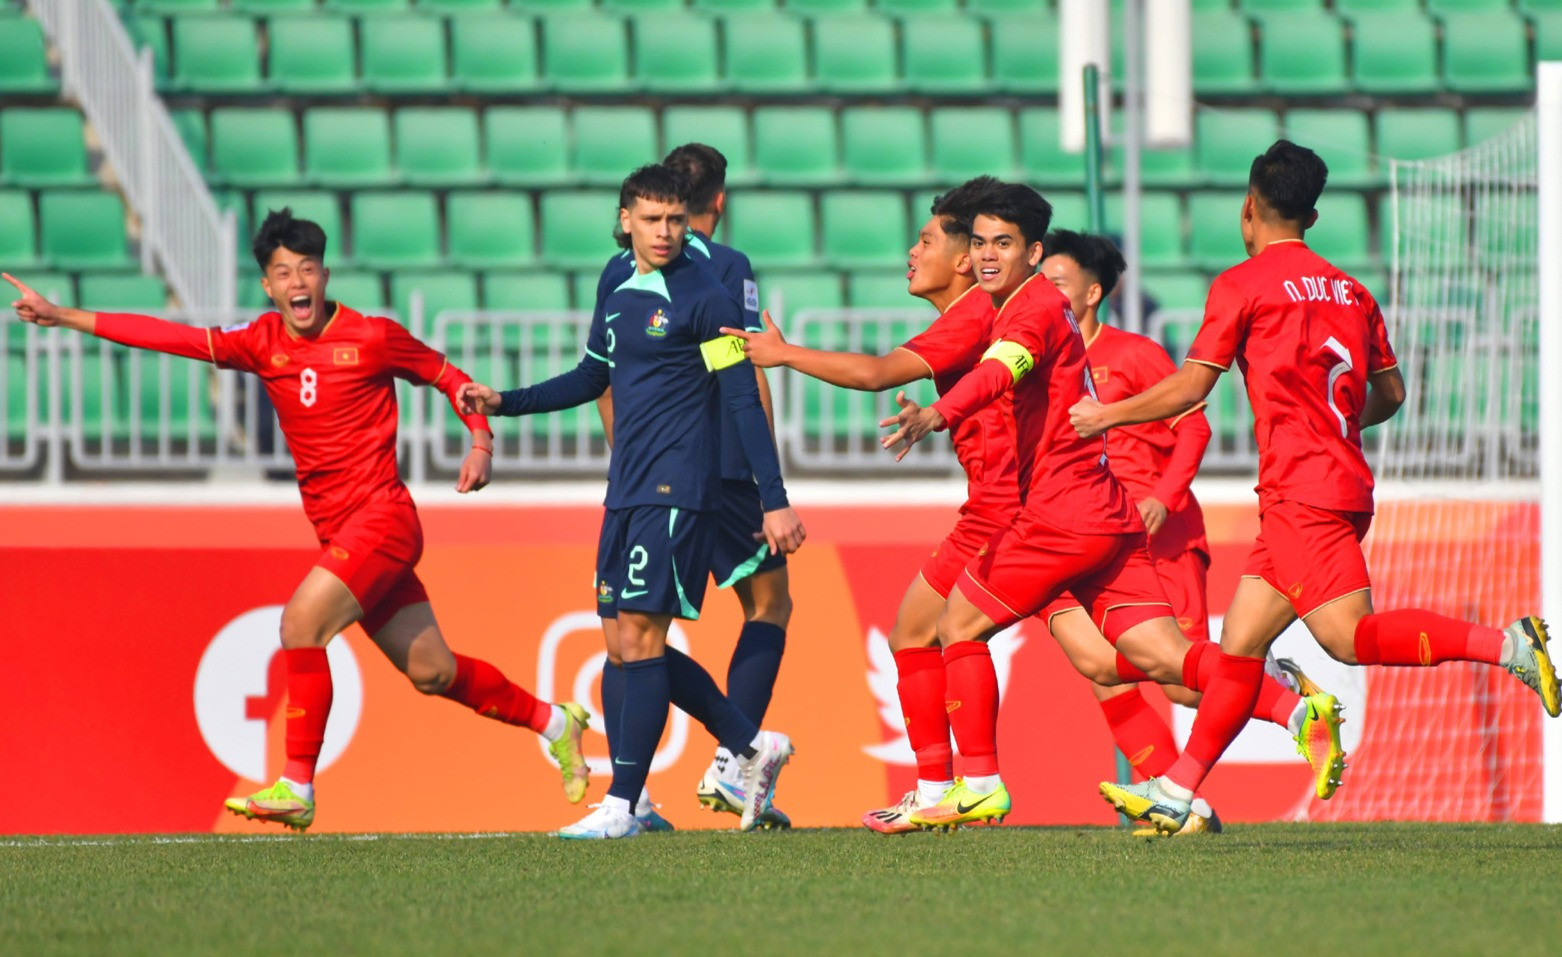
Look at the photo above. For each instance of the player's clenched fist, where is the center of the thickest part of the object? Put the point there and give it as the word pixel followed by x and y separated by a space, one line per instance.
pixel 783 531
pixel 1088 417
pixel 765 349
pixel 476 398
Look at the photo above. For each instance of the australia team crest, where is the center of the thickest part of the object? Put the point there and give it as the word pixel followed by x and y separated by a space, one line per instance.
pixel 656 326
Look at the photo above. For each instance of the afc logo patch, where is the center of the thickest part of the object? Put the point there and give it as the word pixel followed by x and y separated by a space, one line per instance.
pixel 344 356
pixel 656 325
pixel 750 295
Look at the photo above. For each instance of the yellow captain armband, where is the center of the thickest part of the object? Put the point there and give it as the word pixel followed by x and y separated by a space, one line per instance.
pixel 721 353
pixel 1012 355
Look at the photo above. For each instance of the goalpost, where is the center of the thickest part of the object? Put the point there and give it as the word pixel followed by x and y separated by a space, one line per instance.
pixel 1548 108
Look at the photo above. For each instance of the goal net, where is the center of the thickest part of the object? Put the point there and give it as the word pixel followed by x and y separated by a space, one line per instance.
pixel 1458 523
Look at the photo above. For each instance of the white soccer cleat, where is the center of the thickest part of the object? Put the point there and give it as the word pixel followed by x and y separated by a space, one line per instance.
pixel 759 776
pixel 602 824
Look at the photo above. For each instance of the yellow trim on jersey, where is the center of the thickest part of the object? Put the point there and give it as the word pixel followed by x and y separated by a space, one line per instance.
pixel 1212 365
pixel 1388 368
pixel 1171 423
pixel 930 372
pixel 722 352
pixel 1013 355
pixel 210 349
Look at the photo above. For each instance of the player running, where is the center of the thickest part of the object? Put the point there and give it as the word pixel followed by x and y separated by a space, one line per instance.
pixel 330 372
pixel 656 340
pixel 756 575
pixel 1313 349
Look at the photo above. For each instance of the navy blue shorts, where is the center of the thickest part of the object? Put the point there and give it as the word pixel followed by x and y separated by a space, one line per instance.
pixel 736 555
pixel 652 559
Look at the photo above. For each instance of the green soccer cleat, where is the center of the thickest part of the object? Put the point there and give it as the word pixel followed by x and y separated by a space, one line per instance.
pixel 1148 802
pixel 1531 663
pixel 278 804
pixel 651 821
pixel 1319 742
pixel 568 754
pixel 726 798
pixel 961 805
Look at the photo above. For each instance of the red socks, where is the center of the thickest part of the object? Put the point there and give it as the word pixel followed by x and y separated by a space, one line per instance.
pixel 1140 733
pixel 1410 636
pixel 1227 705
pixel 971 698
pixel 921 691
pixel 308 705
pixel 483 688
pixel 1198 668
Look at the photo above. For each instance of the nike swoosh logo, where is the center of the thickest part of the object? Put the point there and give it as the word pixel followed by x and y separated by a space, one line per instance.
pixel 627 764
pixel 967 808
pixel 611 318
pixel 633 594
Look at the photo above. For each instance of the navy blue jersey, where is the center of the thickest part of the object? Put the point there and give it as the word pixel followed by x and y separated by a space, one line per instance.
pixel 731 268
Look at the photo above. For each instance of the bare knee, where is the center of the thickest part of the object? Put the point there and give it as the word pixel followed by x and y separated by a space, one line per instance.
pixel 1099 669
pixel 766 597
pixel 432 673
pixel 299 631
pixel 1340 650
pixel 773 609
pixel 902 637
pixel 1177 694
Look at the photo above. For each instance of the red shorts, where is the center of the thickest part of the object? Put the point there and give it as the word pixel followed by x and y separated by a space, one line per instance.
pixel 374 554
pixel 1183 580
pixel 957 549
pixel 1025 568
pixel 1310 555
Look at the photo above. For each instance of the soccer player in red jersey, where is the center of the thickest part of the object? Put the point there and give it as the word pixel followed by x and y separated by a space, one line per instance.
pixel 330 372
pixel 1312 346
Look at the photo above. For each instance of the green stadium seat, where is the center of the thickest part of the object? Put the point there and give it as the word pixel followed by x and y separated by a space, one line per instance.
pixel 19 238
pixel 855 54
pixel 1441 7
pixel 1394 53
pixel 970 141
pixel 317 205
pixel 266 8
pixel 403 54
pixel 1413 134
pixel 461 7
pixel 676 53
pixel 645 6
pixel 43 147
pixel 312 53
pixel 775 228
pixel 1042 159
pixel 437 146
pixel 1482 123
pixel 151 32
pixel 900 8
pixel 1341 138
pixel 191 125
pixel 735 6
pixel 1341 233
pixel 493 54
pixel 525 291
pixel 57 287
pixel 797 291
pixel 82 230
pixel 442 290
pixel 1222 52
pixel 552 6
pixel 1264 9
pixel 1350 8
pixel 944 54
pixel 177 7
pixel 527 145
pixel 1486 52
pixel 1227 140
pixel 1160 227
pixel 1303 54
pixel 490 230
pixel 24 61
pixel 864 228
pixel 1069 210
pixel 1214 233
pixel 347 146
pixel 724 127
pixel 884 145
pixel 612 140
pixel 363 291
pixel 796 144
pixel 1007 8
pixel 1157 167
pixel 876 289
pixel 1176 290
pixel 216 54
pixel 764 53
pixel 577 228
pixel 1025 52
pixel 585 53
pixel 1548 34
pixel 1539 6
pixel 818 9
pixel 254 147
pixel 368 7
pixel 584 286
pixel 395 229
pixel 119 291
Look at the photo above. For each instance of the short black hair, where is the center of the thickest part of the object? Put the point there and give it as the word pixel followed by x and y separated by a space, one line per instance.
pixel 281 229
pixel 1096 254
pixel 1018 204
pixel 1289 179
pixel 652 181
pixel 705 169
pixel 956 208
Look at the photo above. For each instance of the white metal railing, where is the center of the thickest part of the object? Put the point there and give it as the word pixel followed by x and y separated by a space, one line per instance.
pixel 181 228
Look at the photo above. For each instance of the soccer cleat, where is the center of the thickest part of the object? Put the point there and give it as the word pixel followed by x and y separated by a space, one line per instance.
pixel 603 824
pixel 1319 742
pixel 727 798
pixel 1531 663
pixel 1290 675
pixel 961 805
pixel 567 752
pixel 759 776
pixel 278 804
pixel 895 819
pixel 1147 802
pixel 650 821
pixel 1202 819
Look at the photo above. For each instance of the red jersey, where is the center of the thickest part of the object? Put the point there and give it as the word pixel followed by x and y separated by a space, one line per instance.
pixel 1153 459
pixel 1038 354
pixel 1306 337
pixel 984 443
pixel 334 394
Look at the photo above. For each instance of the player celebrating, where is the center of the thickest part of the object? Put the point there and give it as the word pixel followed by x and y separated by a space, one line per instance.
pixel 330 372
pixel 756 575
pixel 1314 351
pixel 656 340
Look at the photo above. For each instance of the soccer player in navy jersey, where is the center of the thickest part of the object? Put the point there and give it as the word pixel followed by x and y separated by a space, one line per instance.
pixel 655 339
pixel 756 575
pixel 330 372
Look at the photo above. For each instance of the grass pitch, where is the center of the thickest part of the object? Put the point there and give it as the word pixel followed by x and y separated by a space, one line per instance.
pixel 1275 889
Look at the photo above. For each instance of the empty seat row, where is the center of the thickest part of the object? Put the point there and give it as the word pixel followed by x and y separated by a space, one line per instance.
pixel 809 7
pixel 96 290
pixel 65 229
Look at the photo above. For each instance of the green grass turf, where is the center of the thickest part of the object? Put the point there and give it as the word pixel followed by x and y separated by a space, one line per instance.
pixel 1258 889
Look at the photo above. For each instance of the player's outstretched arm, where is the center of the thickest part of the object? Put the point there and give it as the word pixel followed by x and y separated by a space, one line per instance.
pixel 1385 394
pixel 1003 365
pixel 1167 399
pixel 142 332
pixel 582 384
pixel 849 370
